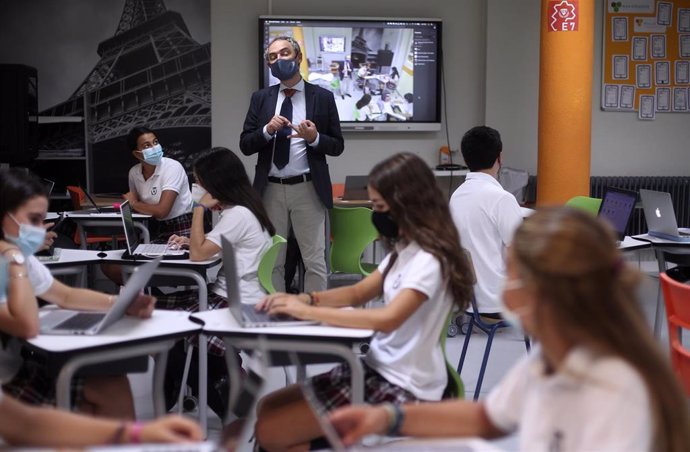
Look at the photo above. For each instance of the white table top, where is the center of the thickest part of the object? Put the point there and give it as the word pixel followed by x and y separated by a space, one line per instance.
pixel 461 172
pixel 52 216
pixel 630 243
pixel 116 256
pixel 83 215
pixel 130 329
pixel 221 322
pixel 658 241
pixel 73 257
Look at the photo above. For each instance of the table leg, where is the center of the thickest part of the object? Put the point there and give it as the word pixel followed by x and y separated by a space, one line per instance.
pixel 659 312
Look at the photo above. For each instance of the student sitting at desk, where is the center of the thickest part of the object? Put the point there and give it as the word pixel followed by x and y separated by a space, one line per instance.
pixel 23 206
pixel 421 278
pixel 599 381
pixel 158 186
pixel 244 222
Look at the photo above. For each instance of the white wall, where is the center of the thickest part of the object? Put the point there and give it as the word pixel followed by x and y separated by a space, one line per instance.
pixel 621 144
pixel 234 38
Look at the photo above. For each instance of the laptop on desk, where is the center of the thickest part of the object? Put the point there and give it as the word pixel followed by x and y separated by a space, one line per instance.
pixel 617 207
pixel 109 209
pixel 661 217
pixel 137 250
pixel 245 314
pixel 356 188
pixel 65 321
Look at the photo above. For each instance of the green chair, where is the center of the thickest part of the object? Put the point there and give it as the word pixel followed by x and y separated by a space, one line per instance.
pixel 268 261
pixel 351 232
pixel 455 387
pixel 585 203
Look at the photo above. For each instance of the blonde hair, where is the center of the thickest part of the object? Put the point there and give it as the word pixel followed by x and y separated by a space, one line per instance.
pixel 571 259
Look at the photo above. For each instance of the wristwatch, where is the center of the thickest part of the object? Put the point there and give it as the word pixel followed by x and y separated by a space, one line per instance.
pixel 15 258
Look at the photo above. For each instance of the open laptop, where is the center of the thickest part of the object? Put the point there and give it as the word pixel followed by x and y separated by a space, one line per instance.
pixel 65 321
pixel 245 314
pixel 356 188
pixel 137 250
pixel 98 209
pixel 661 217
pixel 617 207
pixel 49 185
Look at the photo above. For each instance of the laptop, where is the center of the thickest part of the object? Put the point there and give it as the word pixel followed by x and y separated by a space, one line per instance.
pixel 661 217
pixel 617 207
pixel 65 321
pixel 245 314
pixel 137 250
pixel 356 188
pixel 49 185
pixel 98 209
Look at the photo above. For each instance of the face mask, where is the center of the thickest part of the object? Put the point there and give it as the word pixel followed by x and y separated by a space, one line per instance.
pixel 153 155
pixel 284 69
pixel 197 192
pixel 385 224
pixel 4 277
pixel 30 238
pixel 510 316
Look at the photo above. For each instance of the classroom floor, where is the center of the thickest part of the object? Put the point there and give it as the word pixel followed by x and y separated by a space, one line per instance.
pixel 508 347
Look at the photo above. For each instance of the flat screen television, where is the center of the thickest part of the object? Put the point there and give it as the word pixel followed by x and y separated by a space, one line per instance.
pixel 385 74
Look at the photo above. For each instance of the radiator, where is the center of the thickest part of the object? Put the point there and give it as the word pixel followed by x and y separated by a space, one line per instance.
pixel 677 186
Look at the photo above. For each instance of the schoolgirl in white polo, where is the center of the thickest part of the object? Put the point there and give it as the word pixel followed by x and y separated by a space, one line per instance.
pixel 158 186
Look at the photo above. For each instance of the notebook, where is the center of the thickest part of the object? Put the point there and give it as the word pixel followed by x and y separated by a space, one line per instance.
pixel 137 250
pixel 661 217
pixel 98 209
pixel 356 188
pixel 65 321
pixel 617 207
pixel 245 314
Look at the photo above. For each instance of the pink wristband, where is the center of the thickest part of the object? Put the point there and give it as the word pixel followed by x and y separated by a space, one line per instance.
pixel 135 432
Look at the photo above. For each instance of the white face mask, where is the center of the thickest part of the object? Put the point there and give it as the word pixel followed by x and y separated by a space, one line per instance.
pixel 510 316
pixel 198 192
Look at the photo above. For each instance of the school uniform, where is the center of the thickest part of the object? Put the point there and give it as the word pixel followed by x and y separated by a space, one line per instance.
pixel 407 364
pixel 590 403
pixel 169 175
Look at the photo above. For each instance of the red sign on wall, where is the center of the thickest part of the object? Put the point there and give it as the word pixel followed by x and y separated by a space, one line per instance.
pixel 563 15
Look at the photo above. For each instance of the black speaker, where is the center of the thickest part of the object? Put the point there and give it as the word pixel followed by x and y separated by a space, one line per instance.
pixel 18 114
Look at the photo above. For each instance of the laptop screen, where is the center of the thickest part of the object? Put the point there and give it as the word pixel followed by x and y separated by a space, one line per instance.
pixel 356 188
pixel 131 235
pixel 617 207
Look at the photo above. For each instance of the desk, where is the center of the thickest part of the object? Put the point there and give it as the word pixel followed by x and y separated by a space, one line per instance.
pixel 340 202
pixel 72 262
pixel 311 339
pixel 128 338
pixel 90 218
pixel 632 244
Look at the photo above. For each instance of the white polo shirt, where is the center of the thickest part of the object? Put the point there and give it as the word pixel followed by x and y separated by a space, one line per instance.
pixel 590 404
pixel 169 175
pixel 239 225
pixel 411 356
pixel 486 217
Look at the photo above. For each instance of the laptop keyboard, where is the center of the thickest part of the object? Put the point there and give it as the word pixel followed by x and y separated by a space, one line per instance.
pixel 252 315
pixel 82 321
pixel 152 248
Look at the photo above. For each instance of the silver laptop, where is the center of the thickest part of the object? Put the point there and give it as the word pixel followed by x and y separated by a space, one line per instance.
pixel 144 250
pixel 245 314
pixel 661 217
pixel 65 321
pixel 356 188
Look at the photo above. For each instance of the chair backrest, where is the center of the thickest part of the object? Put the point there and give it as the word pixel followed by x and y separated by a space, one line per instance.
pixel 267 262
pixel 677 300
pixel 455 387
pixel 77 196
pixel 338 190
pixel 585 203
pixel 351 232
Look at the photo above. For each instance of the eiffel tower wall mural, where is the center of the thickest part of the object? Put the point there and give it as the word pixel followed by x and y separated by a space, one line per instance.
pixel 105 66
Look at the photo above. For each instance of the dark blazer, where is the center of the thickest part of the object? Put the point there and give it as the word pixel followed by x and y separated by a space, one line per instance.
pixel 321 110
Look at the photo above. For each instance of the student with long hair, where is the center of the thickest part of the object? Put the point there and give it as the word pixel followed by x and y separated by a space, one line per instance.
pixel 23 207
pixel 420 279
pixel 598 381
pixel 245 223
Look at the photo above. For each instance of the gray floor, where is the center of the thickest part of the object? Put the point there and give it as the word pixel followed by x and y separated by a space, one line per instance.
pixel 508 347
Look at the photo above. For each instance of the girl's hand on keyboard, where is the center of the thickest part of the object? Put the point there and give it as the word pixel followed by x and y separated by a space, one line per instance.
pixel 177 242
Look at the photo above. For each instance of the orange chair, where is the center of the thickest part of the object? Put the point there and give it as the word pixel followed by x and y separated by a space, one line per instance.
pixel 78 197
pixel 338 190
pixel 677 300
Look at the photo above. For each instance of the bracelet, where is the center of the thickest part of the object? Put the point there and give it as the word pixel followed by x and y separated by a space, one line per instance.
pixel 198 204
pixel 135 432
pixel 395 418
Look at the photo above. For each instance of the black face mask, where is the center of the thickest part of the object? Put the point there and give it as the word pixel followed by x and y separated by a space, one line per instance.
pixel 385 224
pixel 284 69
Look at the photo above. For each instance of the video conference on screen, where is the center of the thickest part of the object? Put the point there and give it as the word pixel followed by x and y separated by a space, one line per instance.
pixel 370 71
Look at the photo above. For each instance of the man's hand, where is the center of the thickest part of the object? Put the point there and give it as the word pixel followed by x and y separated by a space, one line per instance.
pixel 142 307
pixel 276 123
pixel 305 129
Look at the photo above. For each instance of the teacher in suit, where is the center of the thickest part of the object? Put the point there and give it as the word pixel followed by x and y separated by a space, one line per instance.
pixel 293 125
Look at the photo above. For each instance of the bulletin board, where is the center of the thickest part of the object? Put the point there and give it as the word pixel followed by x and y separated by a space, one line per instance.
pixel 646 57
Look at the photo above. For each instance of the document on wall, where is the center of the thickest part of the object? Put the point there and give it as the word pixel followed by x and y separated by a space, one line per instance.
pixel 663 99
pixel 683 20
pixel 664 11
pixel 680 99
pixel 627 97
pixel 646 110
pixel 644 76
pixel 639 52
pixel 658 46
pixel 684 43
pixel 647 25
pixel 611 96
pixel 662 72
pixel 620 67
pixel 619 28
pixel 682 76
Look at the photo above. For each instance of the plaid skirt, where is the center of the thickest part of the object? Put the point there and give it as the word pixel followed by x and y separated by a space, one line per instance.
pixel 35 386
pixel 333 388
pixel 188 300
pixel 181 225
